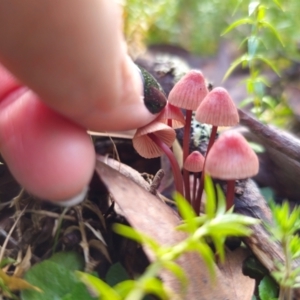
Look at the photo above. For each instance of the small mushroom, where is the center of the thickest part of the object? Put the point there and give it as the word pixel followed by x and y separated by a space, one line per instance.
pixel 194 163
pixel 155 139
pixel 145 145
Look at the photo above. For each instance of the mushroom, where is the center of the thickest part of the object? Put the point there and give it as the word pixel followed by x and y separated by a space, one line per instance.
pixel 194 163
pixel 188 93
pixel 217 109
pixel 231 158
pixel 155 139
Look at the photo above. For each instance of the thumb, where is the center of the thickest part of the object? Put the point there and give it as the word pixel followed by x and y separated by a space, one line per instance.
pixel 49 155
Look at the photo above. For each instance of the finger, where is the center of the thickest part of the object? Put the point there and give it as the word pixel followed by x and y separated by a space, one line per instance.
pixel 74 58
pixel 48 155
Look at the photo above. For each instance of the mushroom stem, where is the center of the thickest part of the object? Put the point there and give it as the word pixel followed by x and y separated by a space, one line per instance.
pixel 212 138
pixel 195 186
pixel 186 142
pixel 230 193
pixel 173 162
pixel 197 201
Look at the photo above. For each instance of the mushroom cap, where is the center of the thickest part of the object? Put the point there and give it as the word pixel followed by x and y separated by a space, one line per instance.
pixel 145 146
pixel 231 157
pixel 189 91
pixel 194 162
pixel 173 113
pixel 217 109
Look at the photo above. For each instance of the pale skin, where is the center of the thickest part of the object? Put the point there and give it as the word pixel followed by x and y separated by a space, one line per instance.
pixel 73 74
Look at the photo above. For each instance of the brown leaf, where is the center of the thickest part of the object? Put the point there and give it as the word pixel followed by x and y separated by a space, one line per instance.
pixel 240 285
pixel 16 284
pixel 25 264
pixel 151 216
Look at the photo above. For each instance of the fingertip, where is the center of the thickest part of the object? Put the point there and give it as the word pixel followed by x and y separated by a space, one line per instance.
pixel 51 157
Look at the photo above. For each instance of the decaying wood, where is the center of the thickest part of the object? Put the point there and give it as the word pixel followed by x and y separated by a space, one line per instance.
pixel 277 139
pixel 280 163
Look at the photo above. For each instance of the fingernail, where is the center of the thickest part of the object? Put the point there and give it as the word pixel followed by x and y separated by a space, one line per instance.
pixel 74 200
pixel 154 97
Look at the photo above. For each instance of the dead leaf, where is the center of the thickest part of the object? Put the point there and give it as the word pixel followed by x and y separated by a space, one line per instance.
pixel 149 215
pixel 242 286
pixel 15 283
pixel 25 264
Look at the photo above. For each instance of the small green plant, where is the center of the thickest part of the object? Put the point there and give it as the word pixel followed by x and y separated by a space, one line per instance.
pixel 257 57
pixel 215 225
pixel 285 230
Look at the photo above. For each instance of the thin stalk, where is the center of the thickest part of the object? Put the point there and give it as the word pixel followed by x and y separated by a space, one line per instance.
pixel 186 143
pixel 286 292
pixel 195 186
pixel 230 193
pixel 197 202
pixel 173 162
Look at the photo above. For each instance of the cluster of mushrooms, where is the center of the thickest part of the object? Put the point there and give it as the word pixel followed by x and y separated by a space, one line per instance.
pixel 228 158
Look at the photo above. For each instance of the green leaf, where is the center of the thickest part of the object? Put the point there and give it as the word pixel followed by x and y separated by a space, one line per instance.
pixel 133 234
pixel 269 63
pixel 71 260
pixel 184 207
pixel 210 206
pixel 208 257
pixel 261 13
pixel 6 261
pixel 116 274
pixel 98 286
pixel 79 292
pixel 219 245
pixel 177 271
pixel 267 289
pixel 221 207
pixel 244 58
pixel 236 24
pixel 55 281
pixel 268 25
pixel 125 287
pixel 155 286
pixel 271 102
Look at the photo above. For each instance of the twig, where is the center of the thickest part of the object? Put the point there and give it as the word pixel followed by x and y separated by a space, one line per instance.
pixel 278 140
pixel 9 234
pixel 50 214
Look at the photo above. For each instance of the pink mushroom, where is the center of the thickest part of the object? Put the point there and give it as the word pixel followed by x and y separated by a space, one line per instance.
pixel 231 158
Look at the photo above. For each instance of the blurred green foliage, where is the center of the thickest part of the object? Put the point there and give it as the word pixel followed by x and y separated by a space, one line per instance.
pixel 197 25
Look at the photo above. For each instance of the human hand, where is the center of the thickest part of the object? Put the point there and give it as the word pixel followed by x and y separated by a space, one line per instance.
pixel 72 57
